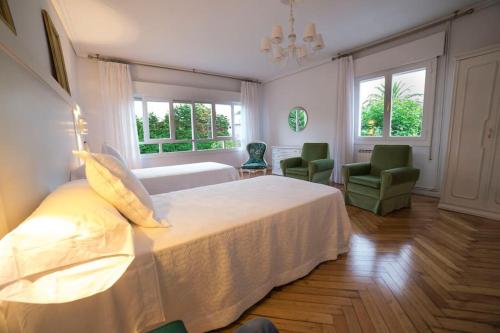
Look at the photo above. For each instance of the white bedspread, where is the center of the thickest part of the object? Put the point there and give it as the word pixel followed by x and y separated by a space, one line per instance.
pixel 180 177
pixel 228 246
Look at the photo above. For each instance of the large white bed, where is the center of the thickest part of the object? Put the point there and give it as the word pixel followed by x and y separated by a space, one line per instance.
pixel 183 176
pixel 228 245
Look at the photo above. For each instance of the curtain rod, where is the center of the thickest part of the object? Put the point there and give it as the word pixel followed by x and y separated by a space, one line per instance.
pixel 456 14
pixel 195 71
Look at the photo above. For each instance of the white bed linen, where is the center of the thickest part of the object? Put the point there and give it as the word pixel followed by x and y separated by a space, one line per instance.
pixel 228 246
pixel 183 176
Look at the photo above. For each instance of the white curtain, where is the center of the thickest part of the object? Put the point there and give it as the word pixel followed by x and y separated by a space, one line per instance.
pixel 250 113
pixel 118 106
pixel 343 145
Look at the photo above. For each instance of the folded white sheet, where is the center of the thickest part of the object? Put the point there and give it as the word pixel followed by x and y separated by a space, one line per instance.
pixel 183 176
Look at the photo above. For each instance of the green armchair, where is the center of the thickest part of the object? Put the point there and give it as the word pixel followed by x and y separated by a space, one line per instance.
pixel 314 164
pixel 384 184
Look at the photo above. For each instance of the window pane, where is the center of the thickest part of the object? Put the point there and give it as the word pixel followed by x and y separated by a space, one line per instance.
pixel 237 114
pixel 205 145
pixel 139 120
pixel 232 144
pixel 149 149
pixel 223 120
pixel 182 121
pixel 371 106
pixel 203 116
pixel 407 104
pixel 159 122
pixel 172 147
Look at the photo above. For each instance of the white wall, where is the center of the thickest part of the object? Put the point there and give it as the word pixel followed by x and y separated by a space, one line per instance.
pixel 32 102
pixel 162 84
pixel 315 90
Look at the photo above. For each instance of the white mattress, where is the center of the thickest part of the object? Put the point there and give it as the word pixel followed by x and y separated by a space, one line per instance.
pixel 180 177
pixel 228 246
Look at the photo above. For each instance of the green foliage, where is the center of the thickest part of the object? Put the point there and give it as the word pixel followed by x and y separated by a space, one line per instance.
pixel 182 121
pixel 149 149
pixel 172 147
pixel 222 125
pixel 406 112
pixel 203 115
pixel 160 129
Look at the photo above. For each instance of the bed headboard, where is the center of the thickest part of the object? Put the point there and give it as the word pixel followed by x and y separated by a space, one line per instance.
pixel 37 135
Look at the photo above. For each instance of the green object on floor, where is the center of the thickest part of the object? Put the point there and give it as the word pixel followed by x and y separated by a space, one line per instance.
pixel 256 151
pixel 384 184
pixel 314 164
pixel 173 327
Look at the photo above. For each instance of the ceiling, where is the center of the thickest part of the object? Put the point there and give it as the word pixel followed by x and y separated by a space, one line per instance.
pixel 223 36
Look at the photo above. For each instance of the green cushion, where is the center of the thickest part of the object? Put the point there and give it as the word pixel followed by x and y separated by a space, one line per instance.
pixel 297 171
pixel 314 151
pixel 366 180
pixel 256 151
pixel 389 157
pixel 173 327
pixel 258 165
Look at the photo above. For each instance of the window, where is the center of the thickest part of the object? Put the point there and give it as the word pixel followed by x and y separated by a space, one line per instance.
pixel 401 113
pixel 166 127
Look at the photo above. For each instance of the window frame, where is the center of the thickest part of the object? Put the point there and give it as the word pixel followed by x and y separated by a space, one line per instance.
pixel 173 139
pixel 428 108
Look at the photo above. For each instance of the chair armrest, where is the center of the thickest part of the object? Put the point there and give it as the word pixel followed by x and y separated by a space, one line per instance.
pixel 355 169
pixel 399 176
pixel 320 165
pixel 290 163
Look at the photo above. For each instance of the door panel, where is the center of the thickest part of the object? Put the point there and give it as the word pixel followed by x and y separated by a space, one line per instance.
pixel 471 180
pixel 475 110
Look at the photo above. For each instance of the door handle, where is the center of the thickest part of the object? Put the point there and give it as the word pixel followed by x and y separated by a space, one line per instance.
pixel 490 133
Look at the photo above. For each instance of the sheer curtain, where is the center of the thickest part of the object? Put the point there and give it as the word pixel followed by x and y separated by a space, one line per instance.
pixel 250 113
pixel 343 147
pixel 118 107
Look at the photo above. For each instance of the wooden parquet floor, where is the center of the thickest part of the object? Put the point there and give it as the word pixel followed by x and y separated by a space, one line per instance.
pixel 415 270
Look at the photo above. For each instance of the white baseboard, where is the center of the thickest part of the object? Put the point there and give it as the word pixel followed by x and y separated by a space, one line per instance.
pixel 470 211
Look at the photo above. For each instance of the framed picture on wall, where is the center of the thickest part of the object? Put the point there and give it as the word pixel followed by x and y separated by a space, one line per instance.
pixel 6 16
pixel 57 57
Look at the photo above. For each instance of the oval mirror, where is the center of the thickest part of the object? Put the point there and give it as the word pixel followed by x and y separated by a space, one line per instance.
pixel 297 119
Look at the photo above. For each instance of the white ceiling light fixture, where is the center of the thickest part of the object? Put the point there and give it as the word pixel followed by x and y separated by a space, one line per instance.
pixel 313 41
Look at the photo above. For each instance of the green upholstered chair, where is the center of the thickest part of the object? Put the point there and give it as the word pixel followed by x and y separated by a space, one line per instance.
pixel 384 184
pixel 256 161
pixel 314 164
pixel 173 327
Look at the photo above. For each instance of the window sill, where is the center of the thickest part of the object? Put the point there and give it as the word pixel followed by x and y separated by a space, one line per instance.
pixel 194 153
pixel 418 142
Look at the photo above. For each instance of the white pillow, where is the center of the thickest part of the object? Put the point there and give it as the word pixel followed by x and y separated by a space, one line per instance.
pixel 73 246
pixel 108 150
pixel 112 180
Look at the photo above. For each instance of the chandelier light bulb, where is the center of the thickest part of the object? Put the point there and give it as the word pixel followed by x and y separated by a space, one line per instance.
pixel 318 43
pixel 265 45
pixel 277 34
pixel 309 32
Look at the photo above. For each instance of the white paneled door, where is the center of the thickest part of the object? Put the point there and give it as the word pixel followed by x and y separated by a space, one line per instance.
pixel 472 181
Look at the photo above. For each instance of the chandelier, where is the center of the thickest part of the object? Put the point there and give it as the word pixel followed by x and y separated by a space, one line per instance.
pixel 313 42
